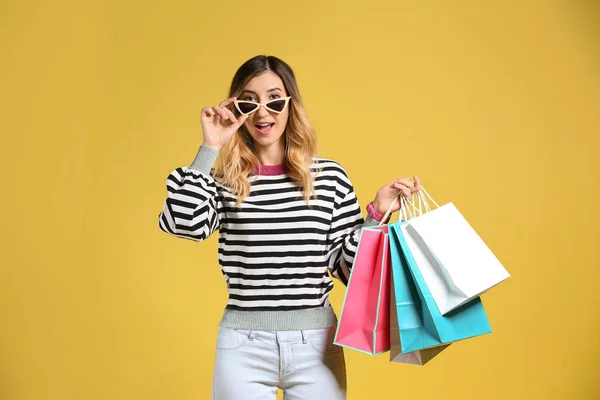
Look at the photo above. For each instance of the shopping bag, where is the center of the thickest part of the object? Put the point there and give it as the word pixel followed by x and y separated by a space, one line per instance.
pixel 459 266
pixel 417 357
pixel 364 323
pixel 420 323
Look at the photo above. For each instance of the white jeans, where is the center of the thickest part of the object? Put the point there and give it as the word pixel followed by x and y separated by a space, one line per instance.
pixel 251 365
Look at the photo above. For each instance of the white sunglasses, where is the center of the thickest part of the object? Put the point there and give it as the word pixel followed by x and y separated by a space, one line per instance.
pixel 246 107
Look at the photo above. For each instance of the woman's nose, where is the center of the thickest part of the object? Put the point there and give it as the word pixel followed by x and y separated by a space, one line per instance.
pixel 262 111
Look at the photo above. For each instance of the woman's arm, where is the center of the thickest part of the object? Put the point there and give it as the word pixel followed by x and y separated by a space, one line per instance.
pixel 190 210
pixel 344 232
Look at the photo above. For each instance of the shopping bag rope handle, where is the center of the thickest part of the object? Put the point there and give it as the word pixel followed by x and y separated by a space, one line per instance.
pixel 404 212
pixel 427 194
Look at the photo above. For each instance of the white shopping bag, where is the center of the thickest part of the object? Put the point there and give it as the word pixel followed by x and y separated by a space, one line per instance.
pixel 461 266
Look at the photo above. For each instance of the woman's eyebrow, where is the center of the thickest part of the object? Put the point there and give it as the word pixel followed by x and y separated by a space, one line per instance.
pixel 270 90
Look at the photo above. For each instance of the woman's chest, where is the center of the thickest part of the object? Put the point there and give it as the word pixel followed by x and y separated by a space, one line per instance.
pixel 280 209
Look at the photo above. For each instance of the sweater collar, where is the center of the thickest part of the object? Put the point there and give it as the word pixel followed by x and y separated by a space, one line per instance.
pixel 269 170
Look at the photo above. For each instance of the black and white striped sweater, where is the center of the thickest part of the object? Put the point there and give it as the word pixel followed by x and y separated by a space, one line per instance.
pixel 275 251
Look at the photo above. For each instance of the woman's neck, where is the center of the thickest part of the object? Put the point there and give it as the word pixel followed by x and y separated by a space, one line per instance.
pixel 272 155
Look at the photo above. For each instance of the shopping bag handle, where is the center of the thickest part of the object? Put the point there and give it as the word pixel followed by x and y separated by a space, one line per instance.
pixel 404 213
pixel 430 198
pixel 423 201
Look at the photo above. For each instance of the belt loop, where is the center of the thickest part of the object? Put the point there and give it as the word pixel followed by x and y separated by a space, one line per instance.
pixel 251 335
pixel 303 336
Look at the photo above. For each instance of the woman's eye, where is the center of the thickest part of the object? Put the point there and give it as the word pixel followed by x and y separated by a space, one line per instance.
pixel 275 96
pixel 248 98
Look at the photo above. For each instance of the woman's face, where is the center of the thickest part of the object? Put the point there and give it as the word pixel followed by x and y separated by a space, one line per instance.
pixel 266 127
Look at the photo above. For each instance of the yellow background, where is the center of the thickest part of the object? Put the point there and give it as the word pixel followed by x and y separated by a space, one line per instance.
pixel 493 103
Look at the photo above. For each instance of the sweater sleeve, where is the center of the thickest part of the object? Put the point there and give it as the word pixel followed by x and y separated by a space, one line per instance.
pixel 344 232
pixel 190 210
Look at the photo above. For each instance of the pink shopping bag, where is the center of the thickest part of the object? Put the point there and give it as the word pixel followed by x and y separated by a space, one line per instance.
pixel 364 323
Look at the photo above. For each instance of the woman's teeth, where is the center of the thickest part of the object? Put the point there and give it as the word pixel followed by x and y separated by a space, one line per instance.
pixel 264 128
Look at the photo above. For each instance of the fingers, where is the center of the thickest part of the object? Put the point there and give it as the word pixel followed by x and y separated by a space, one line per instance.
pixel 207 111
pixel 222 112
pixel 402 189
pixel 227 102
pixel 228 110
pixel 225 114
pixel 240 121
pixel 406 182
pixel 406 186
pixel 232 117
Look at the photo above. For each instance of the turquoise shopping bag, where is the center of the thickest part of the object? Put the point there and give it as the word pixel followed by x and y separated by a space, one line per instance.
pixel 420 323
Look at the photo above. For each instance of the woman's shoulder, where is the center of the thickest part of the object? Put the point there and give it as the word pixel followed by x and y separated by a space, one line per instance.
pixel 329 166
pixel 326 162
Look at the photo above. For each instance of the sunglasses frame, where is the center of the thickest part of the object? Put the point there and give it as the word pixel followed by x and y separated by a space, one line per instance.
pixel 265 105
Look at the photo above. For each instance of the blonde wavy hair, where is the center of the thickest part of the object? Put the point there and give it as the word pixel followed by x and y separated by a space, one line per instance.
pixel 237 157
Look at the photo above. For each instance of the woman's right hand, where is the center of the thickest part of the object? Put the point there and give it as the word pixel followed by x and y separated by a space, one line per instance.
pixel 219 124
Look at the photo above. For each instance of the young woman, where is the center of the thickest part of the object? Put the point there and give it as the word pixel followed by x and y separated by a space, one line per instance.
pixel 286 219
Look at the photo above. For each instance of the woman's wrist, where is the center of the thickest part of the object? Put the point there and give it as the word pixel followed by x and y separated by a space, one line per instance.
pixel 374 213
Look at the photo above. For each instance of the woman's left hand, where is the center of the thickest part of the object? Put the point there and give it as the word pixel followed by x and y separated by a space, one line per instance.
pixel 399 187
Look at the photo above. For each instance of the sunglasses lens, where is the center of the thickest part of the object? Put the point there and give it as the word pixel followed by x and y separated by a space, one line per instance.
pixel 277 105
pixel 247 107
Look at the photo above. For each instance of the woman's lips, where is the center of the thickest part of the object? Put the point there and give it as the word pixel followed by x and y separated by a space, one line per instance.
pixel 264 129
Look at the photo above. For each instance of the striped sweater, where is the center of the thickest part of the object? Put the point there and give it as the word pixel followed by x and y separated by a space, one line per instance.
pixel 275 251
